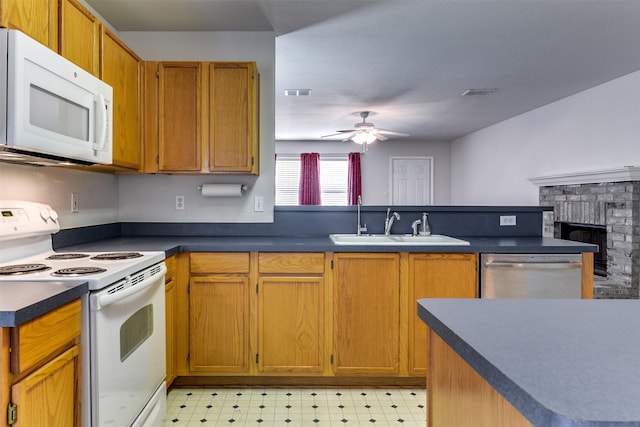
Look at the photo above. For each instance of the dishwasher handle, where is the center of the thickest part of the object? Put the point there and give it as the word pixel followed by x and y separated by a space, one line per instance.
pixel 520 265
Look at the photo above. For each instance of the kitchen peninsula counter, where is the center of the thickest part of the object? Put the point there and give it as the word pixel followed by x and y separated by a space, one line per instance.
pixel 174 244
pixel 21 302
pixel 558 362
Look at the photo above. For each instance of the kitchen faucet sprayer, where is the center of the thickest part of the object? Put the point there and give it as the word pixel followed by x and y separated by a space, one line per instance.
pixel 388 221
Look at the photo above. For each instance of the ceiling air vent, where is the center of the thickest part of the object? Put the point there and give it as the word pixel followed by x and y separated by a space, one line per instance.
pixel 473 92
pixel 297 92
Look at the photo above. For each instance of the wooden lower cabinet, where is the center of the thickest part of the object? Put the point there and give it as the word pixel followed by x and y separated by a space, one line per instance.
pixel 291 313
pixel 351 316
pixel 219 313
pixel 219 321
pixel 170 297
pixel 366 307
pixel 48 397
pixel 436 275
pixel 290 325
pixel 40 371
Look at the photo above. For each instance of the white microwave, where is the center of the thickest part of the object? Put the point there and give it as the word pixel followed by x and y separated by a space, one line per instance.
pixel 51 110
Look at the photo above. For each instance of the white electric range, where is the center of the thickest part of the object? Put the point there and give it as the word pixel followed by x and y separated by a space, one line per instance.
pixel 123 329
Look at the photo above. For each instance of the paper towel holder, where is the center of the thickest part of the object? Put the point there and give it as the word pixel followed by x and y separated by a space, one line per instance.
pixel 243 187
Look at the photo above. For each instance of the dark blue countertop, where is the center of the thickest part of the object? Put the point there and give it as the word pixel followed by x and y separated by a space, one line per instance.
pixel 21 302
pixel 172 245
pixel 562 362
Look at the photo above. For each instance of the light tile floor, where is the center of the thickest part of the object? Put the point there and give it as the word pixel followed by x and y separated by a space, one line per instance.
pixel 296 407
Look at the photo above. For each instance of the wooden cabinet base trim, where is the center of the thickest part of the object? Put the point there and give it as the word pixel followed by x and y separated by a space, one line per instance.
pixel 280 381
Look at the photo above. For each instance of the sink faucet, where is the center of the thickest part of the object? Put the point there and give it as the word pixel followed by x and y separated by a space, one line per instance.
pixel 414 227
pixel 388 221
pixel 361 228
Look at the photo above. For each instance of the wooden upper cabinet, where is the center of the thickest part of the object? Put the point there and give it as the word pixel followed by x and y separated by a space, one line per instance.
pixel 79 36
pixel 201 117
pixel 122 69
pixel 179 108
pixel 233 118
pixel 36 18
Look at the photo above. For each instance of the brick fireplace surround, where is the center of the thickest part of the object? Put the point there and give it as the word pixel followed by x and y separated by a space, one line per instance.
pixel 609 198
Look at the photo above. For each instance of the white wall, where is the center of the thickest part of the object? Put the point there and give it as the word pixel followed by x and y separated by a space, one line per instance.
pixel 98 192
pixel 152 197
pixel 595 129
pixel 375 163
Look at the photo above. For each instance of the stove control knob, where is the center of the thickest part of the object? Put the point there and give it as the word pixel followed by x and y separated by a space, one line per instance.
pixel 53 215
pixel 44 213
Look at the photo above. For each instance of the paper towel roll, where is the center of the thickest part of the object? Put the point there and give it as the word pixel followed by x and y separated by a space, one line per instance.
pixel 222 190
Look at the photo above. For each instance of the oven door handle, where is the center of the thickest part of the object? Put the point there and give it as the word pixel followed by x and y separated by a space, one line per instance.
pixel 107 299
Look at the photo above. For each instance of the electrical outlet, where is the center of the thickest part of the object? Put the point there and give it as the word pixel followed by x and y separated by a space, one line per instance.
pixel 258 204
pixel 507 220
pixel 179 203
pixel 75 203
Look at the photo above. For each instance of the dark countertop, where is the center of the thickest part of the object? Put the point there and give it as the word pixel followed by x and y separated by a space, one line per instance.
pixel 172 245
pixel 21 302
pixel 562 362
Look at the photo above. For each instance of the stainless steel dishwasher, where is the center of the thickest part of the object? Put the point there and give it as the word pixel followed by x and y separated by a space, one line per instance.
pixel 531 276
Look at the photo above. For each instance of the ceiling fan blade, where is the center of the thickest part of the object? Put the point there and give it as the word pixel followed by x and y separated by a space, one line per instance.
pixel 340 133
pixel 380 137
pixel 391 132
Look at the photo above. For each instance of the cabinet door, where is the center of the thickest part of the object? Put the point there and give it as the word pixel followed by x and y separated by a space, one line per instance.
pixel 366 317
pixel 290 325
pixel 122 69
pixel 79 33
pixel 219 324
pixel 49 396
pixel 233 119
pixel 436 275
pixel 36 18
pixel 179 121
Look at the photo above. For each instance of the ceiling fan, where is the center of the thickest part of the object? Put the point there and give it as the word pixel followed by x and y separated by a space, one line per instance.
pixel 365 133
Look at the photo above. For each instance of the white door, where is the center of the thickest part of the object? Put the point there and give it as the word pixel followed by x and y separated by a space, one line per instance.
pixel 411 181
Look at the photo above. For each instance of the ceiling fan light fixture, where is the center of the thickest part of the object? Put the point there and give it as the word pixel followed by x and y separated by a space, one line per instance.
pixel 363 138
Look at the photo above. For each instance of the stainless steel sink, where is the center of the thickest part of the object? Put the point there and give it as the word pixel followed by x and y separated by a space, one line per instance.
pixel 396 240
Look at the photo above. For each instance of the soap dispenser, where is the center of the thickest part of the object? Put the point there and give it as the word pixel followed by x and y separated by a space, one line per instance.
pixel 426 227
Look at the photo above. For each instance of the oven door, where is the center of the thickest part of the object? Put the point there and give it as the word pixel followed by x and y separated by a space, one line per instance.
pixel 127 350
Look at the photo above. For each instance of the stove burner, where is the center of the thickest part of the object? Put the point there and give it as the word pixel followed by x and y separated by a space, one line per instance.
pixel 67 256
pixel 117 255
pixel 16 269
pixel 78 271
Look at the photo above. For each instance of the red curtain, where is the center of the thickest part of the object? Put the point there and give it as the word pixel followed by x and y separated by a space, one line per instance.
pixel 309 191
pixel 355 179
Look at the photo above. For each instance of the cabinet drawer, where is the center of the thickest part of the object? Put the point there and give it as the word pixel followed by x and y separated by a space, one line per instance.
pixel 41 338
pixel 291 262
pixel 223 262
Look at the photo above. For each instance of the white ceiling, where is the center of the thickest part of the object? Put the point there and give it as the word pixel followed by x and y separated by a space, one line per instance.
pixel 408 61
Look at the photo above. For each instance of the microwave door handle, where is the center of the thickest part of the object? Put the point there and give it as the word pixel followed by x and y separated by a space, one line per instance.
pixel 101 122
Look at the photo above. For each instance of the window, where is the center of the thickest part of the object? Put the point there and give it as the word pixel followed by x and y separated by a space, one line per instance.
pixel 333 179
